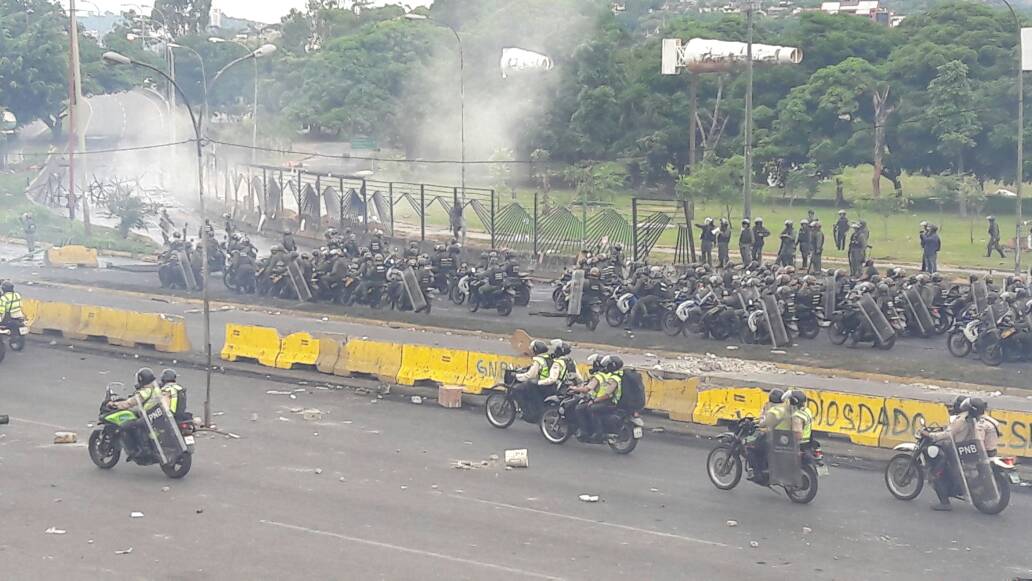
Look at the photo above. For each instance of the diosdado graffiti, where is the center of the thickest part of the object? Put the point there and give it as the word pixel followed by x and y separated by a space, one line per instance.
pixel 865 420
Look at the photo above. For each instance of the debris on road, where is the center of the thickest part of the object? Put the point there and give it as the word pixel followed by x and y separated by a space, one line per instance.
pixel 695 364
pixel 807 530
pixel 416 400
pixel 318 470
pixel 517 458
pixel 277 392
pixel 65 437
pixel 136 515
pixel 124 551
pixel 732 523
pixel 588 498
pixel 166 488
pixel 54 531
pixel 254 417
pixel 312 415
pixel 753 544
pixel 450 396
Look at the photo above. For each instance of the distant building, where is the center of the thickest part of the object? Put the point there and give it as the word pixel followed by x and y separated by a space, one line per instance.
pixel 871 9
pixel 215 18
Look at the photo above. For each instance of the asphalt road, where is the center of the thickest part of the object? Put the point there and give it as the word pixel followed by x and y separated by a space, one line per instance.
pixel 923 358
pixel 388 503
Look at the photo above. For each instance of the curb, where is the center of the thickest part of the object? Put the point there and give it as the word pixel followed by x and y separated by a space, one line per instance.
pixel 841 453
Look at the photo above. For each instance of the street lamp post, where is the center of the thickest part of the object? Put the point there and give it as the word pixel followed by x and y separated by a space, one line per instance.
pixel 114 58
pixel 462 120
pixel 1019 176
pixel 747 170
pixel 204 75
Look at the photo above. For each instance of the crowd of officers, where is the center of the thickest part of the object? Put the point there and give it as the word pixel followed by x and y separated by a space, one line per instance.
pixel 553 371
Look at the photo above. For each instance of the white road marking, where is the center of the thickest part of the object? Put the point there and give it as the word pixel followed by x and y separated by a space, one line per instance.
pixel 35 423
pixel 590 521
pixel 420 552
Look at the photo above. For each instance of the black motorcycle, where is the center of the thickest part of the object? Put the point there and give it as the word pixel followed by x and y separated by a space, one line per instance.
pixel 1004 343
pixel 849 323
pixel 521 287
pixel 502 300
pixel 501 407
pixel 590 315
pixel 15 330
pixel 622 428
pixel 729 459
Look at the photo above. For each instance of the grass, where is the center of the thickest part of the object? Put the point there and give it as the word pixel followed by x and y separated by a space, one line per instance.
pixel 53 228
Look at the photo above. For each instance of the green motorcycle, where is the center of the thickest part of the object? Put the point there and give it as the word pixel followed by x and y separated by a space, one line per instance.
pixel 164 439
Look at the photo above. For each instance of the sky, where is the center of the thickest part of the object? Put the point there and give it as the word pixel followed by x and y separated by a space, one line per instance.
pixel 267 11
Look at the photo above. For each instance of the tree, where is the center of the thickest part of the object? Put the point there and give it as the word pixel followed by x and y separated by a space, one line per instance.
pixel 715 181
pixel 802 179
pixel 598 182
pixel 540 170
pixel 185 17
pixel 33 61
pixel 955 121
pixel 130 210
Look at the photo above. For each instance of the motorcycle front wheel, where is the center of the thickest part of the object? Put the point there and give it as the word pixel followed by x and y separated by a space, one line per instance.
pixel 593 320
pixel 500 409
pixel 903 477
pixel 836 334
pixel 457 296
pixel 808 491
pixel 809 330
pixel 614 317
pixel 180 468
pixel 957 344
pixel 505 307
pixel 993 356
pixel 104 450
pixel 885 345
pixel 554 426
pixel 672 326
pixel 522 296
pixel 724 467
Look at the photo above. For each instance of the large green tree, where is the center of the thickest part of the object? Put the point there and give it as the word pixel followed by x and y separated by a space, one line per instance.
pixel 33 61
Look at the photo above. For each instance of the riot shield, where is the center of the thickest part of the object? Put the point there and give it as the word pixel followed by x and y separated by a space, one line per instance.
pixel 576 290
pixel 186 270
pixel 876 319
pixel 980 295
pixel 928 294
pixel 919 310
pixel 747 295
pixel 976 473
pixel 297 279
pixel 778 332
pixel 164 432
pixel 783 457
pixel 415 292
pixel 828 297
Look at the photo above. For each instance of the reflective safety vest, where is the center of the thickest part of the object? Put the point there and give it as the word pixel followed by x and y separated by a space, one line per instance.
pixel 172 390
pixel 605 377
pixel 806 417
pixel 150 396
pixel 544 366
pixel 784 418
pixel 562 371
pixel 10 305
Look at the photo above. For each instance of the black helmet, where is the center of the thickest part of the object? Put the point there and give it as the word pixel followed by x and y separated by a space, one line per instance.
pixel 775 395
pixel 538 347
pixel 595 360
pixel 168 376
pixel 560 348
pixel 145 376
pixel 978 407
pixel 7 286
pixel 612 363
pixel 955 406
pixel 797 398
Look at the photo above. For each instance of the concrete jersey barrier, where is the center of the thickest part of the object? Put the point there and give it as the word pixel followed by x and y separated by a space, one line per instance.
pixel 165 333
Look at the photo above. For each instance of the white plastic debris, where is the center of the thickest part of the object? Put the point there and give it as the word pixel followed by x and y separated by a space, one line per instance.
pixel 417 400
pixel 54 531
pixel 312 415
pixel 517 458
pixel 124 551
pixel 753 544
pixel 588 498
pixel 732 523
pixel 136 515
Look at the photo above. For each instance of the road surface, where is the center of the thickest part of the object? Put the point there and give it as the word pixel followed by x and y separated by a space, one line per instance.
pixel 370 492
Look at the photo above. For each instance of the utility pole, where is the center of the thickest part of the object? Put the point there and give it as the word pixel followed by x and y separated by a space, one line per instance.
pixel 747 170
pixel 77 135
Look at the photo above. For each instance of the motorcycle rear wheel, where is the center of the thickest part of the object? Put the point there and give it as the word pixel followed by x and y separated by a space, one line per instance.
pixel 623 442
pixel 719 331
pixel 181 467
pixel 504 307
pixel 614 317
pixel 104 453
pixel 808 491
pixel 500 409
pixel 456 296
pixel 809 330
pixel 993 356
pixel 836 334
pixel 885 345
pixel 672 326
pixel 957 344
pixel 900 473
pixel 593 320
pixel 996 507
pixel 555 427
pixel 522 296
pixel 17 343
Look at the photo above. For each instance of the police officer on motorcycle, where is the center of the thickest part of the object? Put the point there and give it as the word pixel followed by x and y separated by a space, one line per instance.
pixel 149 395
pixel 373 277
pixel 604 390
pixel 965 426
pixel 526 392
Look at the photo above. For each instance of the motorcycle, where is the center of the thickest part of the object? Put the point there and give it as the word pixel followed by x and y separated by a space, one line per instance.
pixel 590 315
pixel 168 442
pixel 501 407
pixel 619 306
pixel 994 346
pixel 849 324
pixel 686 317
pixel 906 472
pixel 962 337
pixel 521 285
pixel 501 300
pixel 16 330
pixel 728 460
pixel 623 429
pixel 560 294
pixel 458 290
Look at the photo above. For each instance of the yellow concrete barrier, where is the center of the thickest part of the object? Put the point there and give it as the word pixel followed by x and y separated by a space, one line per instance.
pixel 330 347
pixel 71 256
pixel 371 358
pixel 847 414
pixel 1017 433
pixel 297 349
pixel 900 418
pixel 259 343
pixel 103 322
pixel 61 317
pixel 166 333
pixel 484 370
pixel 419 362
pixel 31 309
pixel 675 396
pixel 728 403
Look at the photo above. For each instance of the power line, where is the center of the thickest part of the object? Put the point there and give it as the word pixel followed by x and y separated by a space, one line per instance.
pixel 104 151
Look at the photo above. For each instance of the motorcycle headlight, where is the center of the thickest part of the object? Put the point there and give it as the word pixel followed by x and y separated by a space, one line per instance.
pixel 933 451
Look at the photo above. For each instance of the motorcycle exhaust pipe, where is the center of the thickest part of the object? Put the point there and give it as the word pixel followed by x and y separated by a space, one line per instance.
pixel 4 420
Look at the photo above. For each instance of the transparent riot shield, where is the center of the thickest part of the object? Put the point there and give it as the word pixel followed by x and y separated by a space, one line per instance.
pixel 918 311
pixel 876 319
pixel 297 279
pixel 783 456
pixel 828 297
pixel 980 294
pixel 747 295
pixel 164 432
pixel 415 292
pixel 776 324
pixel 576 290
pixel 974 472
pixel 186 269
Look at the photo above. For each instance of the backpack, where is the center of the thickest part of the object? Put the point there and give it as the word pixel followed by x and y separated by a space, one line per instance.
pixel 633 397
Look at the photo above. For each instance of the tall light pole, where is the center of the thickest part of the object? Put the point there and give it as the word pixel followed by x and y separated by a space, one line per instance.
pixel 77 136
pixel 747 170
pixel 458 204
pixel 1019 176
pixel 114 58
pixel 254 113
pixel 204 75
